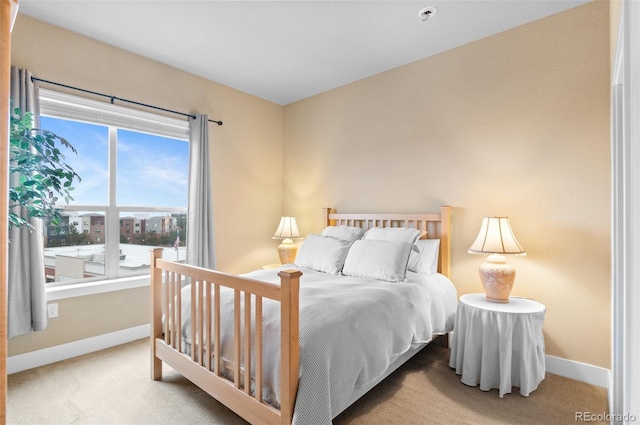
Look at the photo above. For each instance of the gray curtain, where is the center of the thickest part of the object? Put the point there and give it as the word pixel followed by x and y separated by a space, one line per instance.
pixel 200 246
pixel 27 309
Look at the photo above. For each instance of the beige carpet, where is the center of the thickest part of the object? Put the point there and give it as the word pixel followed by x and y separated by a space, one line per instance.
pixel 113 387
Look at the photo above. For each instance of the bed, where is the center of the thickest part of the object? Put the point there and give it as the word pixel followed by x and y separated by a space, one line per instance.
pixel 300 343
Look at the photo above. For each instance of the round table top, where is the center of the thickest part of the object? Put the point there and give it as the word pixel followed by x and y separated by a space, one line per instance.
pixel 515 304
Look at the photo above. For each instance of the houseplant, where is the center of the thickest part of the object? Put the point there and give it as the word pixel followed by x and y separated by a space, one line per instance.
pixel 38 172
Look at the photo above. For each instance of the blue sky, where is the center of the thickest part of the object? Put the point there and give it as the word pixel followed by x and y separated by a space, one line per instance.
pixel 152 170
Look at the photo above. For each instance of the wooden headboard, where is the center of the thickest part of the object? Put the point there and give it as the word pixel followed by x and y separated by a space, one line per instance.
pixel 437 226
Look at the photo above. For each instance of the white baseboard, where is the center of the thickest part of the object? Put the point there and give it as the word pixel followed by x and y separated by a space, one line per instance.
pixel 45 356
pixel 583 372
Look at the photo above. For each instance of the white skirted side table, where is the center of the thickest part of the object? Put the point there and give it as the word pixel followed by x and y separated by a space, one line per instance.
pixel 499 345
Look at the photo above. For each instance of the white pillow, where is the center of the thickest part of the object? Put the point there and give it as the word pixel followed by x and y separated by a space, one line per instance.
pixel 344 232
pixel 382 260
pixel 323 253
pixel 427 260
pixel 394 234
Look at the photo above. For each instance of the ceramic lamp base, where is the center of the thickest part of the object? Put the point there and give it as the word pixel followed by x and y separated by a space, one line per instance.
pixel 497 278
pixel 287 251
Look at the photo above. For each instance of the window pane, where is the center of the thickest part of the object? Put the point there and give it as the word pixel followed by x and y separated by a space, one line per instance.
pixel 142 231
pixel 92 143
pixel 152 170
pixel 143 170
pixel 75 249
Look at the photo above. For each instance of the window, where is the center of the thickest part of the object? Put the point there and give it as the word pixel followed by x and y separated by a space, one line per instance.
pixel 133 167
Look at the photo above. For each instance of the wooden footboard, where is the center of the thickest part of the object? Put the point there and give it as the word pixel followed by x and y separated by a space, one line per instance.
pixel 203 367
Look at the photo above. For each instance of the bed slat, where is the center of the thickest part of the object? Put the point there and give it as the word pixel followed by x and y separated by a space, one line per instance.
pixel 247 343
pixel 194 323
pixel 217 326
pixel 177 324
pixel 258 318
pixel 236 338
pixel 201 321
pixel 207 308
pixel 165 308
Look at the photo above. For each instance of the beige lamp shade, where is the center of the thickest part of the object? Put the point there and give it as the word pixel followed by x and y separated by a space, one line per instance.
pixel 287 230
pixel 496 237
pixel 497 240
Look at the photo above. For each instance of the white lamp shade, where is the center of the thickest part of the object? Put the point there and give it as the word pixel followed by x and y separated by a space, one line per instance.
pixel 496 237
pixel 287 229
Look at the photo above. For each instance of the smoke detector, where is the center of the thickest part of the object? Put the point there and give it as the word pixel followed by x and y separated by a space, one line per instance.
pixel 427 12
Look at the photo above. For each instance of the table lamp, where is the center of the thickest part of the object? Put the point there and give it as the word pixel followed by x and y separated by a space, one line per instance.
pixel 496 239
pixel 287 230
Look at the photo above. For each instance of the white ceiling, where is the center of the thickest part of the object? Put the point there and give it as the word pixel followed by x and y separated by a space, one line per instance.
pixel 284 51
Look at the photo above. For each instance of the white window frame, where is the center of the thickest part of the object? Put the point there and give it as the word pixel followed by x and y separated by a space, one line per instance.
pixel 70 107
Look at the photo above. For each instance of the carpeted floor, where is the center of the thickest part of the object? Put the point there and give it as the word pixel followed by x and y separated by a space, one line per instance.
pixel 113 387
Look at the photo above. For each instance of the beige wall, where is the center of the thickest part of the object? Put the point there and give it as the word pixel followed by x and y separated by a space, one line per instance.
pixel 615 10
pixel 246 160
pixel 515 124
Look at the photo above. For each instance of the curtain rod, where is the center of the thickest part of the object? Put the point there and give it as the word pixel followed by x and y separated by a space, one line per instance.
pixel 114 98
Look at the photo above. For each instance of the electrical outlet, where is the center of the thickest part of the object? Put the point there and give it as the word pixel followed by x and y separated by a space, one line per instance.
pixel 52 310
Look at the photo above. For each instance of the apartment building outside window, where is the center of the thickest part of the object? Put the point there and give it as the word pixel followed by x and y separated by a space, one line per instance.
pixel 134 171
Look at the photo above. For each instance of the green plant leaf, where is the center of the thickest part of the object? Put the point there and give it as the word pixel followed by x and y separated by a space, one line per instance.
pixel 43 175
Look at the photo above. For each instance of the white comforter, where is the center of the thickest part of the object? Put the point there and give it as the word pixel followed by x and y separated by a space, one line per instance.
pixel 351 330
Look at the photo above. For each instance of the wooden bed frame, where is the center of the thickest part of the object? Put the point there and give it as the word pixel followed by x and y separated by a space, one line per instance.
pixel 167 278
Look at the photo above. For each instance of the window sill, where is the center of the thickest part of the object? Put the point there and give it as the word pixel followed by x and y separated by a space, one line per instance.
pixel 97 287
